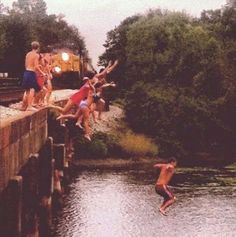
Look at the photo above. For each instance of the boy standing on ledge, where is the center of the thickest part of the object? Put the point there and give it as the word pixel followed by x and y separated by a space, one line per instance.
pixel 167 171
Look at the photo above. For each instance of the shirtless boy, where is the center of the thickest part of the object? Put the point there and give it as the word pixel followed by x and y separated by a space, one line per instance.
pixel 29 79
pixel 167 171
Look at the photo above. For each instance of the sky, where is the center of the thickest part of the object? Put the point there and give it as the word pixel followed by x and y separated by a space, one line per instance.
pixel 94 18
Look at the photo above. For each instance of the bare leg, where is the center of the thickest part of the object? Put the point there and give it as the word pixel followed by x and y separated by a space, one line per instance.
pixel 92 111
pixel 66 108
pixel 24 101
pixel 166 204
pixel 86 123
pixel 30 99
pixel 79 120
pixel 44 96
pixel 38 97
pixel 100 107
pixel 49 91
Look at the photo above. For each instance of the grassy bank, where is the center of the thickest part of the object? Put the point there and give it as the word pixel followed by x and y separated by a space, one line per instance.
pixel 113 138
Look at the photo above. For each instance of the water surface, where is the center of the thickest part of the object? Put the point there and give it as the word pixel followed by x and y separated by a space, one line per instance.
pixel 124 203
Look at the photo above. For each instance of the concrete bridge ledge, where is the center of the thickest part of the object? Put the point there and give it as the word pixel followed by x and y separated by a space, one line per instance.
pixel 22 134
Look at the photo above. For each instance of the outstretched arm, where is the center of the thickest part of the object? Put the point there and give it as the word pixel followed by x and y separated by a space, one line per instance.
pixel 104 72
pixel 158 166
pixel 92 87
pixel 112 84
pixel 111 68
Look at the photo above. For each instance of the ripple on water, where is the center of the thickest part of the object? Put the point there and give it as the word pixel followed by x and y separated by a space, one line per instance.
pixel 124 204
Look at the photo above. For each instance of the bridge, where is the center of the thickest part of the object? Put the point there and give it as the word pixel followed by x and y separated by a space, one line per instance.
pixel 33 161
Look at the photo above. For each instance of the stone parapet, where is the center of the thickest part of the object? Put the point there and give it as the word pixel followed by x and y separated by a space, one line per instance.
pixel 22 134
pixel 20 137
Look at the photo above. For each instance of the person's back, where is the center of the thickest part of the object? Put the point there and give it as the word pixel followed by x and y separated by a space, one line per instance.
pixel 31 60
pixel 29 82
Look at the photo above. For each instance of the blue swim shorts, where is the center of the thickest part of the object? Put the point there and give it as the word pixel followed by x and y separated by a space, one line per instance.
pixel 30 81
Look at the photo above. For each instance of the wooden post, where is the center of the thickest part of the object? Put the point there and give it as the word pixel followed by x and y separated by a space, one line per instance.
pixel 15 206
pixel 30 197
pixel 46 169
pixel 59 155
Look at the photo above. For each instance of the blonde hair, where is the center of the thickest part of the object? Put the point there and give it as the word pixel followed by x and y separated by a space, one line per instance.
pixel 35 45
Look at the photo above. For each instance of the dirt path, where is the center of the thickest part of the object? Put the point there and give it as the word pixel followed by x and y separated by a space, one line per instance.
pixel 111 120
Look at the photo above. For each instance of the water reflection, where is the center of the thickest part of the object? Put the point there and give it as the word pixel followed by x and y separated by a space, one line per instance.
pixel 123 204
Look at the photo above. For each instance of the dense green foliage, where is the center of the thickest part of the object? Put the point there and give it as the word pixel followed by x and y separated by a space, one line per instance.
pixel 177 75
pixel 102 146
pixel 25 22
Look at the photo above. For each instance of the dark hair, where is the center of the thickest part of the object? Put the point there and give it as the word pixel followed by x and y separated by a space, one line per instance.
pixel 101 70
pixel 49 48
pixel 97 85
pixel 96 98
pixel 172 159
pixel 89 74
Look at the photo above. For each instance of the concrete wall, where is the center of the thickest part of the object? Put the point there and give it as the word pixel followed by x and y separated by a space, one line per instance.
pixel 19 137
pixel 22 134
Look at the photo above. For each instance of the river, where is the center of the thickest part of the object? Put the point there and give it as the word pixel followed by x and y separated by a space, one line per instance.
pixel 123 203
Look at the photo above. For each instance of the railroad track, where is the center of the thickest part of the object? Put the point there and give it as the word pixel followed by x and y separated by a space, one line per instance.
pixel 10 91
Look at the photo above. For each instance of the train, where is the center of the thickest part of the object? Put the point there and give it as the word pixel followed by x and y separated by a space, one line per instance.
pixel 68 69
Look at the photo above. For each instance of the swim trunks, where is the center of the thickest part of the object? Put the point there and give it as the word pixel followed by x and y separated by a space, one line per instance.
pixel 96 98
pixel 40 81
pixel 164 191
pixel 83 104
pixel 30 81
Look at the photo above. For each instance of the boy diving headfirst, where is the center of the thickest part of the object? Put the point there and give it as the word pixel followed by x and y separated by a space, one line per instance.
pixel 167 171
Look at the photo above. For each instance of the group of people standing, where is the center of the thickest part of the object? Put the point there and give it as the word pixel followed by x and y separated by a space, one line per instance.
pixel 37 78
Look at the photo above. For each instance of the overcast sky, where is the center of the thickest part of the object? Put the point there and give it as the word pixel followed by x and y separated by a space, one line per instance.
pixel 95 18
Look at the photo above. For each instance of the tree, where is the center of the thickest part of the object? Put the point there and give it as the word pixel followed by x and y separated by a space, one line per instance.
pixel 231 3
pixel 28 21
pixel 179 79
pixel 27 7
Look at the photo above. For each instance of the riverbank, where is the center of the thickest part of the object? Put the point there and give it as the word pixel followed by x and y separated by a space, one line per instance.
pixel 115 163
pixel 111 121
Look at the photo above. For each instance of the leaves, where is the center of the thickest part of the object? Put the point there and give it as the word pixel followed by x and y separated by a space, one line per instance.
pixel 178 78
pixel 28 21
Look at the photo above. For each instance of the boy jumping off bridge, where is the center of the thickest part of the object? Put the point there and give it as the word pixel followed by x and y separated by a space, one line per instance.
pixel 167 171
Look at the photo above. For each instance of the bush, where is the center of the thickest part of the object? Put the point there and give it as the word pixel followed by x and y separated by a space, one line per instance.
pixel 180 124
pixel 98 149
pixel 85 149
pixel 110 145
pixel 102 145
pixel 137 145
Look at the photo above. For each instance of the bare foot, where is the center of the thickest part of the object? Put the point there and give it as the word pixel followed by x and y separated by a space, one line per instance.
pixel 162 212
pixel 59 117
pixel 87 137
pixel 31 108
pixel 79 125
pixel 23 108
